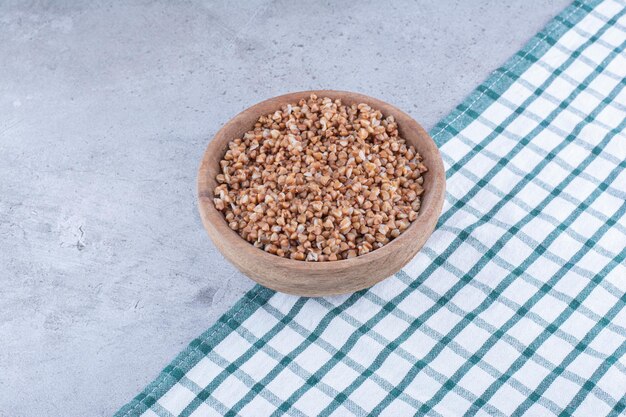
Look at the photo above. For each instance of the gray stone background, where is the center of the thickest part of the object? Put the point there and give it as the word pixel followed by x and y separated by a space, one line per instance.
pixel 105 110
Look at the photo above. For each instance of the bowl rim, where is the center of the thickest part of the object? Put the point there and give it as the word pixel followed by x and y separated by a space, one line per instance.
pixel 213 220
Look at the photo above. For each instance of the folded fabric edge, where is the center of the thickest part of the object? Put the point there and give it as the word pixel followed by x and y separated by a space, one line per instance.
pixel 469 109
pixel 501 79
pixel 196 350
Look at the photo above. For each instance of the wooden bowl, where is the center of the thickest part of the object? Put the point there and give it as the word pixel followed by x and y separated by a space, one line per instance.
pixel 321 278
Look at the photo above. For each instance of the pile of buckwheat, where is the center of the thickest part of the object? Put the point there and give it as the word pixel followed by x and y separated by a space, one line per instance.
pixel 320 181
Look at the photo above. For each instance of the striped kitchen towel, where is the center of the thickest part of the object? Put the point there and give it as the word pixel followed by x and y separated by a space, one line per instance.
pixel 515 306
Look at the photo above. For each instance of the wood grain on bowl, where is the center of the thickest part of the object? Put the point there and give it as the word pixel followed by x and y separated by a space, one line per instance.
pixel 321 278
